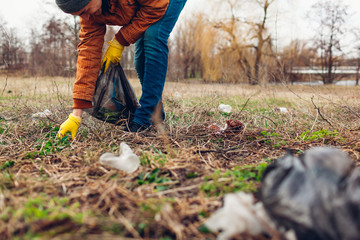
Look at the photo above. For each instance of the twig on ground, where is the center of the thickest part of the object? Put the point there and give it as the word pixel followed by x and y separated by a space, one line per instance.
pixel 248 101
pixel 318 110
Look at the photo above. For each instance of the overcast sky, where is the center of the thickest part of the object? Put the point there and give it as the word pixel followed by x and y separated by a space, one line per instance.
pixel 290 15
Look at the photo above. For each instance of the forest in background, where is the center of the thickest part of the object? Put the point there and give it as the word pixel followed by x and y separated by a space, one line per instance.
pixel 230 49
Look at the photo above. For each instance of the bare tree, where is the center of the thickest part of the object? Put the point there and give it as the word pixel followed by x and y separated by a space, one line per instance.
pixel 12 52
pixel 74 40
pixel 251 45
pixel 192 51
pixel 296 54
pixel 331 17
pixel 2 29
pixel 37 54
pixel 262 37
pixel 53 50
pixel 188 44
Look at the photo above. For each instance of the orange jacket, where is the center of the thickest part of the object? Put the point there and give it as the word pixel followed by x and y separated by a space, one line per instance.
pixel 135 16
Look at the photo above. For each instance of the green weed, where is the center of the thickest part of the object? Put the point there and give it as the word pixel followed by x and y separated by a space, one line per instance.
pixel 4 128
pixel 157 158
pixel 238 179
pixel 145 159
pixel 52 145
pixel 274 138
pixel 153 177
pixel 323 133
pixel 192 175
pixel 7 164
pixel 53 209
pixel 172 118
pixel 7 180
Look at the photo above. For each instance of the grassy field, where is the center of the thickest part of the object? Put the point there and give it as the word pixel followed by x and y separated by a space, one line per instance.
pixel 52 189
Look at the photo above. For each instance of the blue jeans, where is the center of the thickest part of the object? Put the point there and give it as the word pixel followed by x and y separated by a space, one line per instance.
pixel 151 61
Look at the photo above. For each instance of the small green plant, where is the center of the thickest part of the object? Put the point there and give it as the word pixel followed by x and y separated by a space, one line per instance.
pixel 274 138
pixel 4 128
pixel 238 179
pixel 151 206
pixel 323 133
pixel 204 229
pixel 192 175
pixel 53 209
pixel 153 177
pixel 172 118
pixel 156 158
pixel 7 180
pixel 7 164
pixel 269 134
pixel 160 158
pixel 225 114
pixel 145 159
pixel 31 155
pixel 279 144
pixel 52 145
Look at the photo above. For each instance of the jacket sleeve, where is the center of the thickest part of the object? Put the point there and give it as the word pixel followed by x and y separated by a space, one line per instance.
pixel 149 12
pixel 91 37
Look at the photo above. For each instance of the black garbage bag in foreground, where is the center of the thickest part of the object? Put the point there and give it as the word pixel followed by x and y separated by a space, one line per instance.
pixel 316 194
pixel 114 98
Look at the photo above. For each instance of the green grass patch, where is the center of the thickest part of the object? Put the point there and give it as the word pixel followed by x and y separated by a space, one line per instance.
pixel 321 134
pixel 154 177
pixel 273 138
pixel 7 164
pixel 155 157
pixel 41 208
pixel 243 178
pixel 49 144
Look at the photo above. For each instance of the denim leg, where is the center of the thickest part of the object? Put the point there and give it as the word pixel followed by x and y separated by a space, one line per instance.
pixel 139 59
pixel 151 61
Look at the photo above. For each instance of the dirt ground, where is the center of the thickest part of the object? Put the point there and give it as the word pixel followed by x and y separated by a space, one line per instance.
pixel 57 189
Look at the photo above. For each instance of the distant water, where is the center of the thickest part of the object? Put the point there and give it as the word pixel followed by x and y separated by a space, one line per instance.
pixel 346 83
pixel 317 83
pixel 309 83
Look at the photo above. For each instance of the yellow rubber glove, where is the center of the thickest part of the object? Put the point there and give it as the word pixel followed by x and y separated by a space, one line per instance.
pixel 70 125
pixel 112 54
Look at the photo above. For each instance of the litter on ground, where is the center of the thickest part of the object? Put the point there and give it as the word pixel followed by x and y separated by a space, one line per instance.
pixel 126 160
pixel 224 108
pixel 43 114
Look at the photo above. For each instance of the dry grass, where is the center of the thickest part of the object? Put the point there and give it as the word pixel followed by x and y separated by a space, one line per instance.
pixel 57 189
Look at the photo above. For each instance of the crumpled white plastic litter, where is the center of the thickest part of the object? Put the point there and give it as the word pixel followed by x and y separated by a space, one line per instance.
pixel 126 160
pixel 282 110
pixel 43 114
pixel 239 215
pixel 223 108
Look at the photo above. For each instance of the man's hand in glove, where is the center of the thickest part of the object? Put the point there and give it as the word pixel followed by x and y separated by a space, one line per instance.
pixel 112 54
pixel 70 125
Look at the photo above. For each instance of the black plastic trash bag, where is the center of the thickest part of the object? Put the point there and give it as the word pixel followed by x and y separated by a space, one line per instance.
pixel 114 99
pixel 316 194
